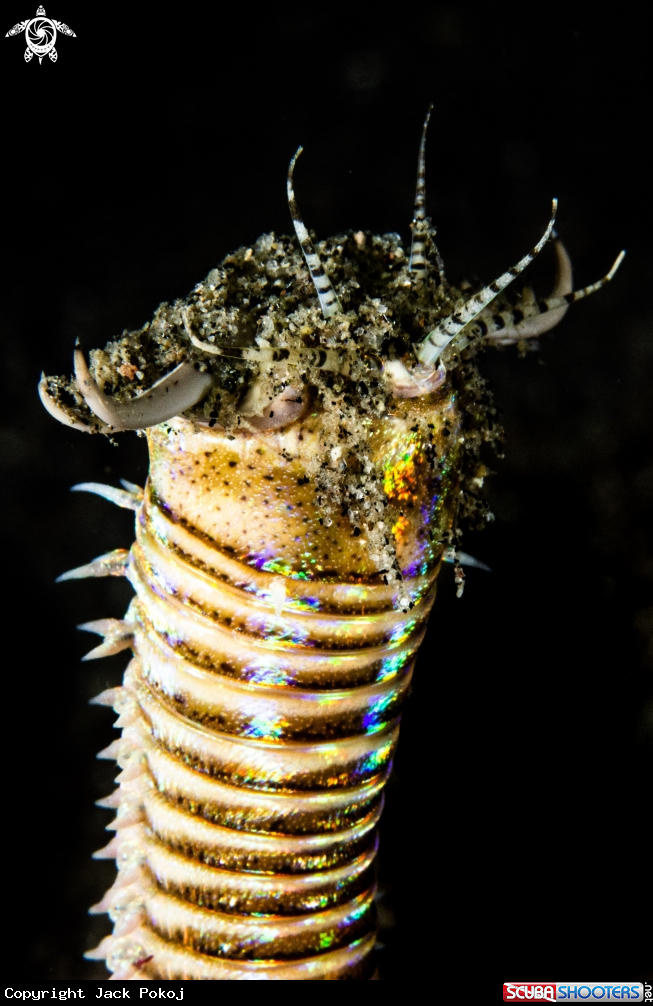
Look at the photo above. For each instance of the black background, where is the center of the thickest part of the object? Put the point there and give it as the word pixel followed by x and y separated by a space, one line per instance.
pixel 519 819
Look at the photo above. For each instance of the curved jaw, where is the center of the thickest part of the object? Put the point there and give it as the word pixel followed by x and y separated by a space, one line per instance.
pixel 291 404
pixel 63 415
pixel 179 390
pixel 419 380
pixel 533 318
pixel 429 351
pixel 533 327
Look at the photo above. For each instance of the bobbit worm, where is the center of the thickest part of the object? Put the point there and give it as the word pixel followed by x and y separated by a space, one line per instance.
pixel 316 424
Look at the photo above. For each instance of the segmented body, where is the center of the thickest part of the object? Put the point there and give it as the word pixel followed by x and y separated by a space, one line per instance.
pixel 261 710
pixel 309 465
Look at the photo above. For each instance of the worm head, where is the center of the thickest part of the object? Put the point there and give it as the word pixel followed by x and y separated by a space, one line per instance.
pixel 346 326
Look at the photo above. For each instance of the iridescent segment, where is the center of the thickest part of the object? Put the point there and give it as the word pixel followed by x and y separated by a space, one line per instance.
pixel 261 709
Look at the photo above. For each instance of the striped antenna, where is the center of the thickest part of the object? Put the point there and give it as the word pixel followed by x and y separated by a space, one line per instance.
pixel 430 349
pixel 328 300
pixel 418 263
pixel 538 317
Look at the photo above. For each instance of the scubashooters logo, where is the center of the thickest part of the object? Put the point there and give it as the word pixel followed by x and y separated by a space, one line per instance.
pixel 573 992
pixel 40 35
